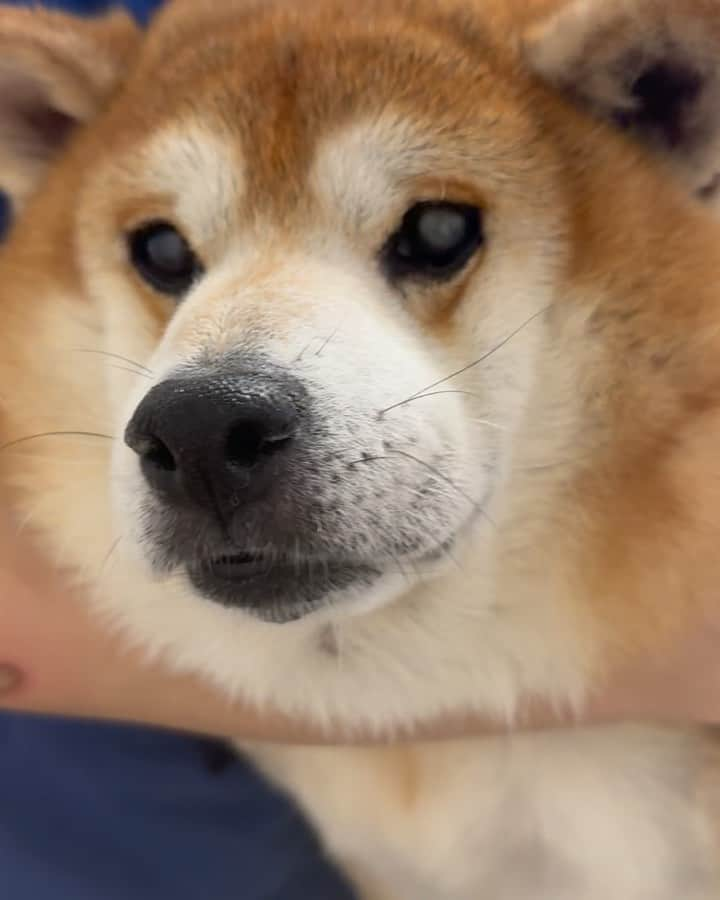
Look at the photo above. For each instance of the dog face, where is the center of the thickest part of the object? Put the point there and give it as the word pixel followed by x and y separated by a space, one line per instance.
pixel 324 416
pixel 370 294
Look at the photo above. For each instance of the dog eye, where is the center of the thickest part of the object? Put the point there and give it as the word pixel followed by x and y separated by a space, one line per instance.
pixel 435 240
pixel 163 258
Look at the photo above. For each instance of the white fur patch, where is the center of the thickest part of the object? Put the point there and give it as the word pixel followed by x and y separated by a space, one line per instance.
pixel 202 172
pixel 364 169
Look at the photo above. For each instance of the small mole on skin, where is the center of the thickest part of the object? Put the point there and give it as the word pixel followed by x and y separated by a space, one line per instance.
pixel 10 678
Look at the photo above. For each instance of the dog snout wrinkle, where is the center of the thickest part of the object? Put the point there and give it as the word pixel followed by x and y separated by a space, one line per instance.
pixel 214 442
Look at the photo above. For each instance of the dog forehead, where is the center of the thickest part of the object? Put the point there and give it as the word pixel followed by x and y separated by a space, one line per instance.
pixel 284 92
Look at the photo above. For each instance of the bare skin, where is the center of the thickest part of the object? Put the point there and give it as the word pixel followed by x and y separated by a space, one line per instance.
pixel 56 658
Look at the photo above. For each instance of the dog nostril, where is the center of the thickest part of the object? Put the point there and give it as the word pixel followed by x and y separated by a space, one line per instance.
pixel 156 453
pixel 244 444
pixel 249 441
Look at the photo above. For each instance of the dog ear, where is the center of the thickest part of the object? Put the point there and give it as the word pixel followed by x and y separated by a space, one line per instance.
pixel 56 72
pixel 651 67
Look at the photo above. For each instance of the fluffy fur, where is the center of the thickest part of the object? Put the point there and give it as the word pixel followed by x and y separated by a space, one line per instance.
pixel 526 453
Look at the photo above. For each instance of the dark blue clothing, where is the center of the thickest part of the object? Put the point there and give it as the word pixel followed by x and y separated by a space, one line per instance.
pixel 107 812
pixel 141 9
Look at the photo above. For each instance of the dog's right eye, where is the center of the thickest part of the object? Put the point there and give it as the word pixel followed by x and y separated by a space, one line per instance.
pixel 163 258
pixel 434 241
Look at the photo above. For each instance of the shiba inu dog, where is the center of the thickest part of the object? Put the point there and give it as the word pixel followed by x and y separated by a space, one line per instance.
pixel 365 358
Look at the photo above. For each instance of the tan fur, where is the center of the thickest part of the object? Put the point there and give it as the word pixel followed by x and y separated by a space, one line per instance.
pixel 298 137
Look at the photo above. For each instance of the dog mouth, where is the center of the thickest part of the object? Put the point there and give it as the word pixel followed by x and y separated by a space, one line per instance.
pixel 277 588
pixel 240 567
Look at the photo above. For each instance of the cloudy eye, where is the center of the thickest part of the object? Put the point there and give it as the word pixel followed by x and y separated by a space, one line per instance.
pixel 435 240
pixel 163 258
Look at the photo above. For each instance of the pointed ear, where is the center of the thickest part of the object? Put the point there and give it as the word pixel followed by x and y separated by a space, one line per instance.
pixel 651 67
pixel 56 73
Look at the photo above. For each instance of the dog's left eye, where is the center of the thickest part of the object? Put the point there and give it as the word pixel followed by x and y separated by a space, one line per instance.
pixel 435 240
pixel 163 258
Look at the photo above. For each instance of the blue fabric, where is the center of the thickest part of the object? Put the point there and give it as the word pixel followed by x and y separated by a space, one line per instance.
pixel 107 812
pixel 92 811
pixel 142 9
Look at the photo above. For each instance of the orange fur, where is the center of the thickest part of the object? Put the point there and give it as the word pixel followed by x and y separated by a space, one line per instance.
pixel 612 509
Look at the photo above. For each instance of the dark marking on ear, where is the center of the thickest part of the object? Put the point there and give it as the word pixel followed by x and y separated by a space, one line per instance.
pixel 51 126
pixel 32 121
pixel 648 67
pixel 665 93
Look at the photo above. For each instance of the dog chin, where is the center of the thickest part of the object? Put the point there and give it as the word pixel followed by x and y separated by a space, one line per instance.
pixel 280 591
pixel 286 591
pixel 319 593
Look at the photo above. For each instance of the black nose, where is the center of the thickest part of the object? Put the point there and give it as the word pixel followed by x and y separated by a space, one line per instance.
pixel 215 441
